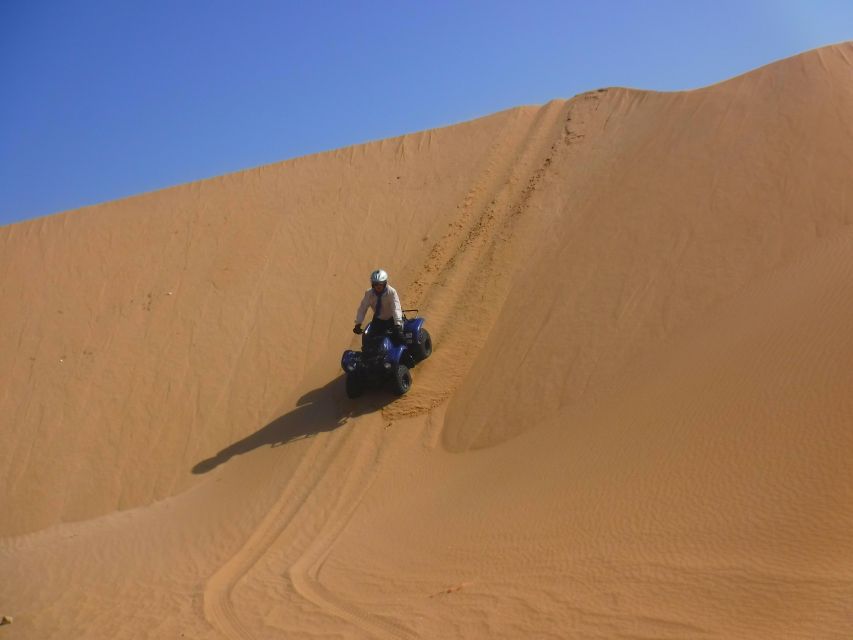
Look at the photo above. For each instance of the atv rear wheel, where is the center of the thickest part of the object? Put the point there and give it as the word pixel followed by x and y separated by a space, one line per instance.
pixel 423 347
pixel 355 386
pixel 402 380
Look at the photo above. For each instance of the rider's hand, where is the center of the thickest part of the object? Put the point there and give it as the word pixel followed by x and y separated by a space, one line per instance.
pixel 357 329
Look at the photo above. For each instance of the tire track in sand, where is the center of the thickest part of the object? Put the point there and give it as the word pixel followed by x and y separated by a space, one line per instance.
pixel 466 276
pixel 218 605
pixel 355 458
pixel 462 282
pixel 305 572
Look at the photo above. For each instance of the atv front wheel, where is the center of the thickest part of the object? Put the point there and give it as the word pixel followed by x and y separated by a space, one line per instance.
pixel 355 387
pixel 402 380
pixel 408 359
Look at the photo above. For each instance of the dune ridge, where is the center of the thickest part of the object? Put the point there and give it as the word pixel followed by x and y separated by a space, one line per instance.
pixel 635 423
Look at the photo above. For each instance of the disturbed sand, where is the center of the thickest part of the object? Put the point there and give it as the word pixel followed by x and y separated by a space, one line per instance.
pixel 637 422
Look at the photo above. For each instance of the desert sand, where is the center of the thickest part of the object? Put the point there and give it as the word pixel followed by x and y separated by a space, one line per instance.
pixel 637 421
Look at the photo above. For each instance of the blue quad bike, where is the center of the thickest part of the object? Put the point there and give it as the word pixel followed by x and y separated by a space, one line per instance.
pixel 382 362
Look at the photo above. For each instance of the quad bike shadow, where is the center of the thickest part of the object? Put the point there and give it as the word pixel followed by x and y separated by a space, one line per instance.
pixel 320 410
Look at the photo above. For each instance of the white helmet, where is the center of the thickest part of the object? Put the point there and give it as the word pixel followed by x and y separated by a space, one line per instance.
pixel 378 277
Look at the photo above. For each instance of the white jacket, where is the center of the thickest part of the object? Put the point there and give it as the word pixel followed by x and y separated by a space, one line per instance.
pixel 390 306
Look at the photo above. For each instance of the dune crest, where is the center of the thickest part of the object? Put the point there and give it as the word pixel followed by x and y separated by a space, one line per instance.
pixel 635 423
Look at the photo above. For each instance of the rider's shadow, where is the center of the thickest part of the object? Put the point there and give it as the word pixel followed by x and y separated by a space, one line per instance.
pixel 319 410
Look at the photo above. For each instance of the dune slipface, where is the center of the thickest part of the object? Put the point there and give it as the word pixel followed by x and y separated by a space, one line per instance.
pixel 636 422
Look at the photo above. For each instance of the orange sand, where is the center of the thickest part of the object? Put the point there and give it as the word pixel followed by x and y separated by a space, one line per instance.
pixel 636 423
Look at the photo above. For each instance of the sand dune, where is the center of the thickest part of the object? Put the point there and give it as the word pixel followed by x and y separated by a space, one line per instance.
pixel 636 422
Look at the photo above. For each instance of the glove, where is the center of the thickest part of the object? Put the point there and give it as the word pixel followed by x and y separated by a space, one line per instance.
pixel 357 330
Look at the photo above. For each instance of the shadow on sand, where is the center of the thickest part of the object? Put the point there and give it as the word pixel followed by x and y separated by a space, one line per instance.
pixel 319 410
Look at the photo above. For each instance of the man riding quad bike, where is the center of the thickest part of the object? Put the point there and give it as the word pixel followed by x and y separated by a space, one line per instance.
pixel 391 346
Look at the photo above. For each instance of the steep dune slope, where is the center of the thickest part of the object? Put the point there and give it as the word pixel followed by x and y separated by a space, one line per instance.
pixel 139 335
pixel 635 424
pixel 680 201
pixel 711 495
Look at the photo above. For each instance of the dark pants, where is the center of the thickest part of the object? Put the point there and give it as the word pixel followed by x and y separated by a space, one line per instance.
pixel 378 327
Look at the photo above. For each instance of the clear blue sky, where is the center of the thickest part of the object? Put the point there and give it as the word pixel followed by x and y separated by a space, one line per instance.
pixel 101 100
